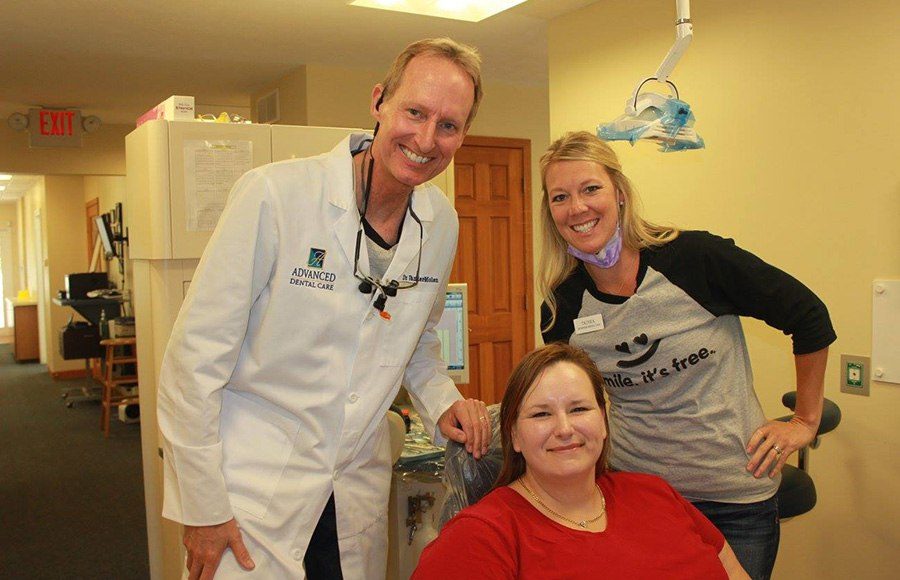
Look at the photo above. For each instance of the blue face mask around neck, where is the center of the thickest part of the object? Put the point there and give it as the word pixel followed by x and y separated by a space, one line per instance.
pixel 608 255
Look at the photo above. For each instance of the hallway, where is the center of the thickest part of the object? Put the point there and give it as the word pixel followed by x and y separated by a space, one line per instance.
pixel 71 502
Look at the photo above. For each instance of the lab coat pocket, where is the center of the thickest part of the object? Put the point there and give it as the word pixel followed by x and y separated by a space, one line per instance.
pixel 364 555
pixel 409 311
pixel 257 440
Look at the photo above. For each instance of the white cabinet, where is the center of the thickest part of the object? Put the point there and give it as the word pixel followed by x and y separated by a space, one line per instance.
pixel 162 176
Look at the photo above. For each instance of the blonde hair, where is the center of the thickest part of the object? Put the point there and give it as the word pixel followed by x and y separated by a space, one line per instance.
pixel 462 55
pixel 637 233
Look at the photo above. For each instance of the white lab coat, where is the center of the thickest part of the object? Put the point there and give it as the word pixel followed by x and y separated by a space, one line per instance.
pixel 275 383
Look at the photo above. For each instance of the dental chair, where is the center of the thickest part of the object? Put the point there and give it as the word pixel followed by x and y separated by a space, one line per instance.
pixel 467 480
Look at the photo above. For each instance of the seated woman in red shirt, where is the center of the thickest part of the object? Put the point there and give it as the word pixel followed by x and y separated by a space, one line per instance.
pixel 556 512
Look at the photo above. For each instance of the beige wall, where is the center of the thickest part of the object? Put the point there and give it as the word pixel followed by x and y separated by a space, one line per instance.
pixel 32 201
pixel 109 190
pixel 10 271
pixel 65 240
pixel 9 217
pixel 102 153
pixel 792 99
pixel 340 96
pixel 291 95
pixel 31 206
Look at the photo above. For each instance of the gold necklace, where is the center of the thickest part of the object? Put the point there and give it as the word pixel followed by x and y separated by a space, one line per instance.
pixel 581 523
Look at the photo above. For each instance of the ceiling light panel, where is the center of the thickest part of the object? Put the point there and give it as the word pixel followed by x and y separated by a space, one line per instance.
pixel 468 10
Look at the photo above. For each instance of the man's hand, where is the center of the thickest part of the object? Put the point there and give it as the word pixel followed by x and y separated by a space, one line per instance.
pixel 467 421
pixel 206 544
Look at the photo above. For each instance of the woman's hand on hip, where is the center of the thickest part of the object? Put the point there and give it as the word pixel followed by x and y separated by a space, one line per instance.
pixel 772 444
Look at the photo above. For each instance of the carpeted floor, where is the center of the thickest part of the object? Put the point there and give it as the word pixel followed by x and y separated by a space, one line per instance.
pixel 71 502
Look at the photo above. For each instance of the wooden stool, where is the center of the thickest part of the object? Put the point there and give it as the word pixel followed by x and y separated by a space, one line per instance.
pixel 113 395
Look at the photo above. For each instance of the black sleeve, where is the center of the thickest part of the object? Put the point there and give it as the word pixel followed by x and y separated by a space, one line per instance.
pixel 726 279
pixel 562 328
pixel 568 295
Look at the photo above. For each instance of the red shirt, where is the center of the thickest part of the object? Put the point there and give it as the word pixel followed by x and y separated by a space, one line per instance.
pixel 651 532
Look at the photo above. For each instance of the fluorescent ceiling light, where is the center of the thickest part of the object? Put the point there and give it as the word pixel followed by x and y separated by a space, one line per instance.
pixel 5 177
pixel 468 10
pixel 2 187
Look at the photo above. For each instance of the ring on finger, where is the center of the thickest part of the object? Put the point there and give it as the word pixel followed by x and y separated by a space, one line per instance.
pixel 482 418
pixel 777 450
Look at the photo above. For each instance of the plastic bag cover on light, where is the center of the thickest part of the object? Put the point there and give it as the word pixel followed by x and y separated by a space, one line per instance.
pixel 666 120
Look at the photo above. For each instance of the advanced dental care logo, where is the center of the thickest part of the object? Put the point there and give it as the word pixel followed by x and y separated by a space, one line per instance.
pixel 316 258
pixel 314 275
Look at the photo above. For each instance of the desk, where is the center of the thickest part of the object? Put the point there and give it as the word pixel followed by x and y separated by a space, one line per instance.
pixel 24 317
pixel 91 308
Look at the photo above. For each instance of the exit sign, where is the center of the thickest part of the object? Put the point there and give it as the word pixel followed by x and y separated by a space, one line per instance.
pixel 54 127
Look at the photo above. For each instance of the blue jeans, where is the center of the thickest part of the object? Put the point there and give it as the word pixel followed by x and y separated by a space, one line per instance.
pixel 751 529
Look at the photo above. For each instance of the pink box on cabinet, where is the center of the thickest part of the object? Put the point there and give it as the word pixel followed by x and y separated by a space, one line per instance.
pixel 175 108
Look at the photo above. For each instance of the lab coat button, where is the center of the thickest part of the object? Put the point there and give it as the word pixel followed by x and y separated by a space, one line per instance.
pixel 297 554
pixel 335 474
pixel 353 397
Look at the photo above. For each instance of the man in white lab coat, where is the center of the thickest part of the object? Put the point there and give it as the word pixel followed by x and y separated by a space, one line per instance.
pixel 316 297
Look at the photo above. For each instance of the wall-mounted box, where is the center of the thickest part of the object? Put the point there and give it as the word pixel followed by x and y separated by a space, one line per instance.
pixel 886 331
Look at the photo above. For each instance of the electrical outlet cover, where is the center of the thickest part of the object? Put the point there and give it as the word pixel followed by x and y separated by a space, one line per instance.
pixel 855 374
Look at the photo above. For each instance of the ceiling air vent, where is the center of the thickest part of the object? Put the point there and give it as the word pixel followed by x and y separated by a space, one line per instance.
pixel 267 109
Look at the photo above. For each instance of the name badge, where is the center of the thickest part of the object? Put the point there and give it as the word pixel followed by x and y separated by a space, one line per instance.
pixel 588 324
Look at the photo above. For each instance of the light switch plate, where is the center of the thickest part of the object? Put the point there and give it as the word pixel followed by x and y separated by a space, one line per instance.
pixel 855 374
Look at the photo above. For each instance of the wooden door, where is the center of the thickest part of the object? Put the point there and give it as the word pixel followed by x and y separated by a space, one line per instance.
pixel 92 209
pixel 492 197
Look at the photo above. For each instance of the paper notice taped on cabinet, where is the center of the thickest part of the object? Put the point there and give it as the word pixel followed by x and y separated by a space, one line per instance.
pixel 210 170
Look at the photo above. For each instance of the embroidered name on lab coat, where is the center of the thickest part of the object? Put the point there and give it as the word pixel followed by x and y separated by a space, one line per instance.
pixel 414 278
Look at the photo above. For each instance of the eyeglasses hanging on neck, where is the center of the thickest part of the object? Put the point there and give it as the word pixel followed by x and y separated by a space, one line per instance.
pixel 368 284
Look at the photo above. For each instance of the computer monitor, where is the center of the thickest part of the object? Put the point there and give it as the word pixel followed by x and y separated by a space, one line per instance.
pixel 106 234
pixel 453 331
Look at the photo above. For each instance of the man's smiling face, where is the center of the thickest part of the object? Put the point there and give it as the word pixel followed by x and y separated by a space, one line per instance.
pixel 422 124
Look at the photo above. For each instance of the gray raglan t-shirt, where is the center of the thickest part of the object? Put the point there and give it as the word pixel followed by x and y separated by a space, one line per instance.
pixel 675 360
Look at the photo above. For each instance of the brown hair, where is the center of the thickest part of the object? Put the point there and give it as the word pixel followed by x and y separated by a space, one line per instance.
pixel 462 55
pixel 526 373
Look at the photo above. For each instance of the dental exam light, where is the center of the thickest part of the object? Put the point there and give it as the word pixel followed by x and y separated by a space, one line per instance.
pixel 666 120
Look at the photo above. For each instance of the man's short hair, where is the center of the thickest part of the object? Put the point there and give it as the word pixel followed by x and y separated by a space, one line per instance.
pixel 462 55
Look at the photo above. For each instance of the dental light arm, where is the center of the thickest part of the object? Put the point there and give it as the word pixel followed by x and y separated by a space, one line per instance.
pixel 684 32
pixel 663 119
